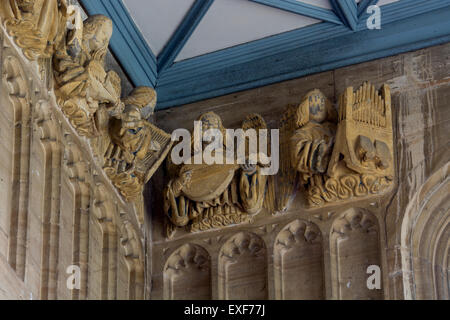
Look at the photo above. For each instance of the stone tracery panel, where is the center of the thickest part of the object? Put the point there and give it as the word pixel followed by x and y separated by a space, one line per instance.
pixel 130 283
pixel 187 274
pixel 354 246
pixel 298 262
pixel 103 239
pixel 17 86
pixel 77 172
pixel 49 201
pixel 70 222
pixel 243 268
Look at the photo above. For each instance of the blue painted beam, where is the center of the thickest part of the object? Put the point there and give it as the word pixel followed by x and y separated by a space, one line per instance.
pixel 347 10
pixel 303 9
pixel 196 79
pixel 364 4
pixel 183 32
pixel 271 46
pixel 127 43
pixel 404 9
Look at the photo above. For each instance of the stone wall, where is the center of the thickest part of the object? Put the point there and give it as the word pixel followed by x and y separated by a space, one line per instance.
pixel 324 253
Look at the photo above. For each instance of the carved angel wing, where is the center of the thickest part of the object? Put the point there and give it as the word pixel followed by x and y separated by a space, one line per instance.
pixel 287 177
pixel 257 122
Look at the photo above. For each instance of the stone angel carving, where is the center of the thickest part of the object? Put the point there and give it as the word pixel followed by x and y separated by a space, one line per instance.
pixel 206 196
pixel 307 137
pixel 129 146
pixel 313 139
pixel 82 83
pixel 133 148
pixel 341 156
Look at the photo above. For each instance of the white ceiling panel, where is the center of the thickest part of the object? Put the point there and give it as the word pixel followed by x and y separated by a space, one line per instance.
pixel 385 2
pixel 382 2
pixel 158 19
pixel 232 22
pixel 325 4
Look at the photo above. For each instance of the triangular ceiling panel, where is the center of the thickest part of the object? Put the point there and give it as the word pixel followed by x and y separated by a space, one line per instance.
pixel 158 19
pixel 232 22
pixel 325 4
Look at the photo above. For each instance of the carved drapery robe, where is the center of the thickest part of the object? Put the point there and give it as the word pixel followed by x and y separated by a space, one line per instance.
pixel 344 156
pixel 37 25
pixel 243 195
pixel 312 146
pixel 81 80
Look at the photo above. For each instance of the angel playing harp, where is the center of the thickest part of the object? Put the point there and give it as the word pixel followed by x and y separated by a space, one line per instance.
pixel 133 143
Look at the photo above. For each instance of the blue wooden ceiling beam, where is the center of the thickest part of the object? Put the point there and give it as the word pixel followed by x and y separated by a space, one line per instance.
pixel 406 25
pixel 303 9
pixel 364 4
pixel 305 51
pixel 347 10
pixel 183 32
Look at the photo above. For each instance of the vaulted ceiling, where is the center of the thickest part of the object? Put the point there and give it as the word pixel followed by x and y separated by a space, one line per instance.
pixel 196 49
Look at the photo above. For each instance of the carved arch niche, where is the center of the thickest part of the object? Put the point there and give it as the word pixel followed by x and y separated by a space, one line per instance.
pixel 130 268
pixel 75 211
pixel 18 113
pixel 103 239
pixel 354 246
pixel 298 262
pixel 243 268
pixel 45 201
pixel 187 274
pixel 426 236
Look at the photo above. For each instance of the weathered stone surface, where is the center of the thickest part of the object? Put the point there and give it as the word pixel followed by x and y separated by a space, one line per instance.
pixel 420 90
pixel 59 208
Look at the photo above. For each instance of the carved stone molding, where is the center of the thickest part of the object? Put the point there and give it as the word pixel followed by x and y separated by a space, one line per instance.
pixel 133 254
pixel 425 239
pixel 242 268
pixel 354 246
pixel 122 140
pixel 17 86
pixel 187 273
pixel 298 262
pixel 64 207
